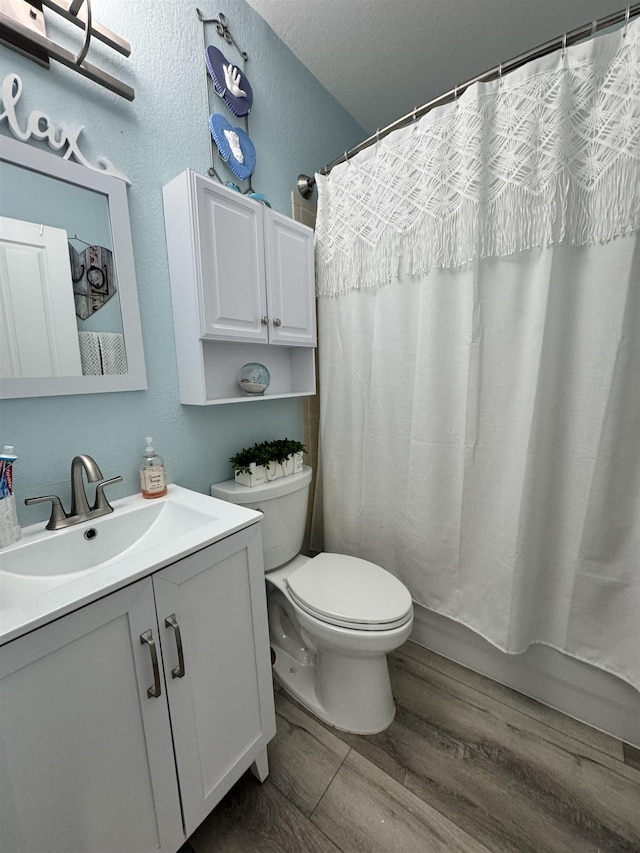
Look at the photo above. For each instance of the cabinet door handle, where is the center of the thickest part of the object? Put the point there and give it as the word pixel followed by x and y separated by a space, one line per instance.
pixel 277 322
pixel 264 321
pixel 147 639
pixel 172 622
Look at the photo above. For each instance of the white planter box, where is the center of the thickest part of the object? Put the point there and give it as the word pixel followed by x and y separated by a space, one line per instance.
pixel 259 474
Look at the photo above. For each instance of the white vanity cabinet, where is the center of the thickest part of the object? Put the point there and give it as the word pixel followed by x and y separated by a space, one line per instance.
pixel 102 751
pixel 222 711
pixel 242 288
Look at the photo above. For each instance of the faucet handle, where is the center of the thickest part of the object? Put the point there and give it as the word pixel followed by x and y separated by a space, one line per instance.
pixel 58 515
pixel 101 502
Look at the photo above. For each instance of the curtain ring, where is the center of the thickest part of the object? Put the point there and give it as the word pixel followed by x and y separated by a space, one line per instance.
pixel 564 45
pixel 627 14
pixel 455 97
pixel 500 74
pixel 346 158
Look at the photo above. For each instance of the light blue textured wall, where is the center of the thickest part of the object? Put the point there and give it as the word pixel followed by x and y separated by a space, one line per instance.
pixel 296 127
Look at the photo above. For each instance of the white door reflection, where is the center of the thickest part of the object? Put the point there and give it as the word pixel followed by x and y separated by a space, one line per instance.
pixel 38 331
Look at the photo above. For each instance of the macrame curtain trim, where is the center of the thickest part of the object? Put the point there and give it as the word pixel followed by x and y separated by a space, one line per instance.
pixel 544 157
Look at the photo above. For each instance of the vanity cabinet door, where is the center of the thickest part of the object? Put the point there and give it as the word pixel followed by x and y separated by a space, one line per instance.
pixel 290 281
pixel 86 760
pixel 220 691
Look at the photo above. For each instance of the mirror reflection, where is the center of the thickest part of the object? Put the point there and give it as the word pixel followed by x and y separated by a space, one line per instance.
pixel 59 291
pixel 69 314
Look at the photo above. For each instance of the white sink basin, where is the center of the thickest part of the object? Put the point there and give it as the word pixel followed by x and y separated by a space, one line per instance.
pixel 95 542
pixel 139 537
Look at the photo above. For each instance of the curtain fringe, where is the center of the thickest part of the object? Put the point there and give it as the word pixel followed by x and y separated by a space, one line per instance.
pixel 566 213
pixel 551 158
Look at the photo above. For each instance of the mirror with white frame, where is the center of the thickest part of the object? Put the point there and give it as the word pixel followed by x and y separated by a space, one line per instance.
pixel 69 315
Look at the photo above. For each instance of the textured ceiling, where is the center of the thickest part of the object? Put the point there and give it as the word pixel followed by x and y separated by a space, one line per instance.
pixel 382 58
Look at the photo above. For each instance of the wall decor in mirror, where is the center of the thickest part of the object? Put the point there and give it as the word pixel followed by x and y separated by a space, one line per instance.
pixel 69 315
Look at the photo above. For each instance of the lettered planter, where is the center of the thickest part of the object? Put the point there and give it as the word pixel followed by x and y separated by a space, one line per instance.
pixel 259 474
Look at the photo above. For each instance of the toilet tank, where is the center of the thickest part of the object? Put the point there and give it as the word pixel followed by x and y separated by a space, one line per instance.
pixel 284 505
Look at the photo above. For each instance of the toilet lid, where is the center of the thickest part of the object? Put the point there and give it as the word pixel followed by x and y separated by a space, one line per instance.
pixel 350 592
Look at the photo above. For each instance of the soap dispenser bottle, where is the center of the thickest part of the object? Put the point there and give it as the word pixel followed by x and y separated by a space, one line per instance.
pixel 153 478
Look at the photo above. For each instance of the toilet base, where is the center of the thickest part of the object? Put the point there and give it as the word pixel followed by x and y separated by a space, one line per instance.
pixel 350 694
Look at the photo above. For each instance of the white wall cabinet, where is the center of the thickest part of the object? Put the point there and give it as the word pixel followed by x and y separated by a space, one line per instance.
pixel 242 288
pixel 102 751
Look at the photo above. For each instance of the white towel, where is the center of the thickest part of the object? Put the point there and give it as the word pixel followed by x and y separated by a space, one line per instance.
pixel 90 353
pixel 102 353
pixel 112 350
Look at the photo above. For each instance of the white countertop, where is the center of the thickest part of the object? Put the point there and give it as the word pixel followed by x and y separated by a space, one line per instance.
pixel 196 521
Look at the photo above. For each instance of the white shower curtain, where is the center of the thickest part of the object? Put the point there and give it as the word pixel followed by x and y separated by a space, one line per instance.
pixel 480 357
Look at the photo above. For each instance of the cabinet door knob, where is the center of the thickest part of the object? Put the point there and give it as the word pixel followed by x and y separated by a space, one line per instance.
pixel 265 321
pixel 277 322
pixel 147 639
pixel 172 622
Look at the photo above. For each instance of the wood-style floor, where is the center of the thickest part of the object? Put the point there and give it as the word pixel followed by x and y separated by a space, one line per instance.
pixel 467 765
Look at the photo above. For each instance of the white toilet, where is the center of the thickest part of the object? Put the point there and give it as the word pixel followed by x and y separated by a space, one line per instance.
pixel 332 619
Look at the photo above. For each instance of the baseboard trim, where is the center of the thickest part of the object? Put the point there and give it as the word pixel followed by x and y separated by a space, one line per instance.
pixel 584 692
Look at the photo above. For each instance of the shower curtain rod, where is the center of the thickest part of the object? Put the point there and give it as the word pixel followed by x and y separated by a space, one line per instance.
pixel 305 184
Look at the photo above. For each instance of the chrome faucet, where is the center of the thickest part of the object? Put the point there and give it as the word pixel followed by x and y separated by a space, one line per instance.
pixel 80 509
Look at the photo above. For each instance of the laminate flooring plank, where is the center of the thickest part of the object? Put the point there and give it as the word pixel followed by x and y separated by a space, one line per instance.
pixel 364 810
pixel 543 713
pixel 458 766
pixel 558 796
pixel 304 756
pixel 484 800
pixel 502 783
pixel 510 714
pixel 255 818
pixel 631 755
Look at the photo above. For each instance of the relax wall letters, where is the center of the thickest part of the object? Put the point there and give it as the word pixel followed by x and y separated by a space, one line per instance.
pixel 40 126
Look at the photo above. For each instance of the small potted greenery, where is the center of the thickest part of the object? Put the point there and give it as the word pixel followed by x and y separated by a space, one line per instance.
pixel 268 460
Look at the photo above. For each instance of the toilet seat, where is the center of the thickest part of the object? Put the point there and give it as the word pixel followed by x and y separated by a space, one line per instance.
pixel 350 593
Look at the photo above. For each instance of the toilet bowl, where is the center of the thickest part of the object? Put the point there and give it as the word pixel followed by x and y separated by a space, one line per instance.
pixel 333 618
